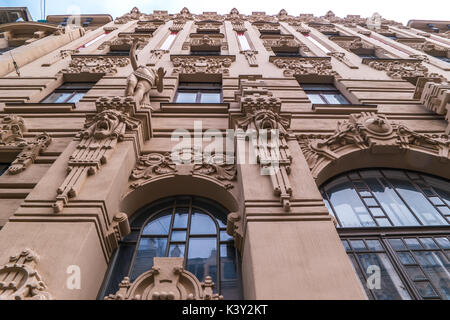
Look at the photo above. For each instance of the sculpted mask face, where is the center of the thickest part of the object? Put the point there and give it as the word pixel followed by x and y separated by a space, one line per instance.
pixel 107 122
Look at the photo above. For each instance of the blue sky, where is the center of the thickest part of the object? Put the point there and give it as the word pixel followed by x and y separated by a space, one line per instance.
pixel 399 10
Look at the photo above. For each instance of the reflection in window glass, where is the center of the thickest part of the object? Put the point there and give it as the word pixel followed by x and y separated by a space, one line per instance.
pixel 169 40
pixel 243 41
pixel 399 201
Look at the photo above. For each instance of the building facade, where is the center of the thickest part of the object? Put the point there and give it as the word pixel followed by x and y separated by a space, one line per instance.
pixel 234 156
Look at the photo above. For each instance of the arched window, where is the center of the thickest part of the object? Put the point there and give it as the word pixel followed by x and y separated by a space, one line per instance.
pixel 193 228
pixel 395 227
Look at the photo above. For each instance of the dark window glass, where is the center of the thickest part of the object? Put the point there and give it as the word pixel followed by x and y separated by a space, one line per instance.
pixel 118 53
pixel 201 92
pixel 70 92
pixel 324 94
pixel 3 168
pixel 189 227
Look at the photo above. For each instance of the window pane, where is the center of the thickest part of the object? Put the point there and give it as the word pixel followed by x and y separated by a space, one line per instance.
pixel 437 267
pixel 168 42
pixel 186 97
pixel 147 250
pixel 202 224
pixel 76 97
pixel 57 97
pixel 415 199
pixel 335 98
pixel 202 258
pixel 315 98
pixel 243 42
pixel 176 250
pixel 160 225
pixel 347 204
pixel 181 218
pixel 178 236
pixel 391 286
pixel 210 98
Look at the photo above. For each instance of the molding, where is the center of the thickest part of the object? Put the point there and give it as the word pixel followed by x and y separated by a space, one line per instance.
pixel 166 280
pixel 187 64
pixel 305 66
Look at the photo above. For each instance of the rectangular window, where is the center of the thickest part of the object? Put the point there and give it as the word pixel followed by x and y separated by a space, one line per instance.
pixel 87 44
pixel 318 44
pixel 324 94
pixel 199 92
pixel 243 41
pixel 169 40
pixel 69 92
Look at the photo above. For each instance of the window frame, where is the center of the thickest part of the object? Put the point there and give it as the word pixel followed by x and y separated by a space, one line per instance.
pixel 142 218
pixel 64 88
pixel 384 233
pixel 322 92
pixel 199 90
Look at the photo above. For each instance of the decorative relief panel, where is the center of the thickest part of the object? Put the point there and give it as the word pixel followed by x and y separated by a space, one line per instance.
pixel 11 136
pixel 184 161
pixel 167 280
pixel 408 69
pixel 96 144
pixel 20 280
pixel 91 64
pixel 262 111
pixel 134 14
pixel 372 132
pixel 305 66
pixel 436 97
pixel 202 64
pixel 205 42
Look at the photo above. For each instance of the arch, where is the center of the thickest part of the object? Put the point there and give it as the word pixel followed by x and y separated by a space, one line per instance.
pixel 414 160
pixel 173 185
pixel 372 140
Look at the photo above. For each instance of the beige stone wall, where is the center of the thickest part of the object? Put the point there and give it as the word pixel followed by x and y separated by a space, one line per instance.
pixel 301 242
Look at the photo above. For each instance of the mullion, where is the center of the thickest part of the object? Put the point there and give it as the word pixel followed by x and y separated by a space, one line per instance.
pixel 188 232
pixel 379 205
pixel 362 200
pixel 356 259
pixel 332 208
pixel 169 234
pixel 402 267
pixel 400 196
pixel 428 198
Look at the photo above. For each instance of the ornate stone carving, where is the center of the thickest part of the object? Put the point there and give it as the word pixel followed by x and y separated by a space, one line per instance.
pixel 158 15
pixel 305 66
pixel 155 55
pixel 29 153
pixel 436 97
pixel 119 228
pixel 150 166
pixel 209 16
pixel 12 129
pixel 134 14
pixel 101 64
pixel 374 22
pixel 262 114
pixel 250 55
pixel 341 57
pixel 214 165
pixel 206 42
pixel 407 69
pixel 19 279
pixel 372 132
pixel 235 228
pixel 96 144
pixel 184 15
pixel 11 136
pixel 166 280
pixel 202 64
pixel 142 80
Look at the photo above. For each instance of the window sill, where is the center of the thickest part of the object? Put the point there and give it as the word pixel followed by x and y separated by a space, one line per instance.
pixel 344 108
pixel 195 107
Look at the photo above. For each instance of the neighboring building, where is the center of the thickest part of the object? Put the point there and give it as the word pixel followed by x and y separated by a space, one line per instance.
pixel 14 14
pixel 335 182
